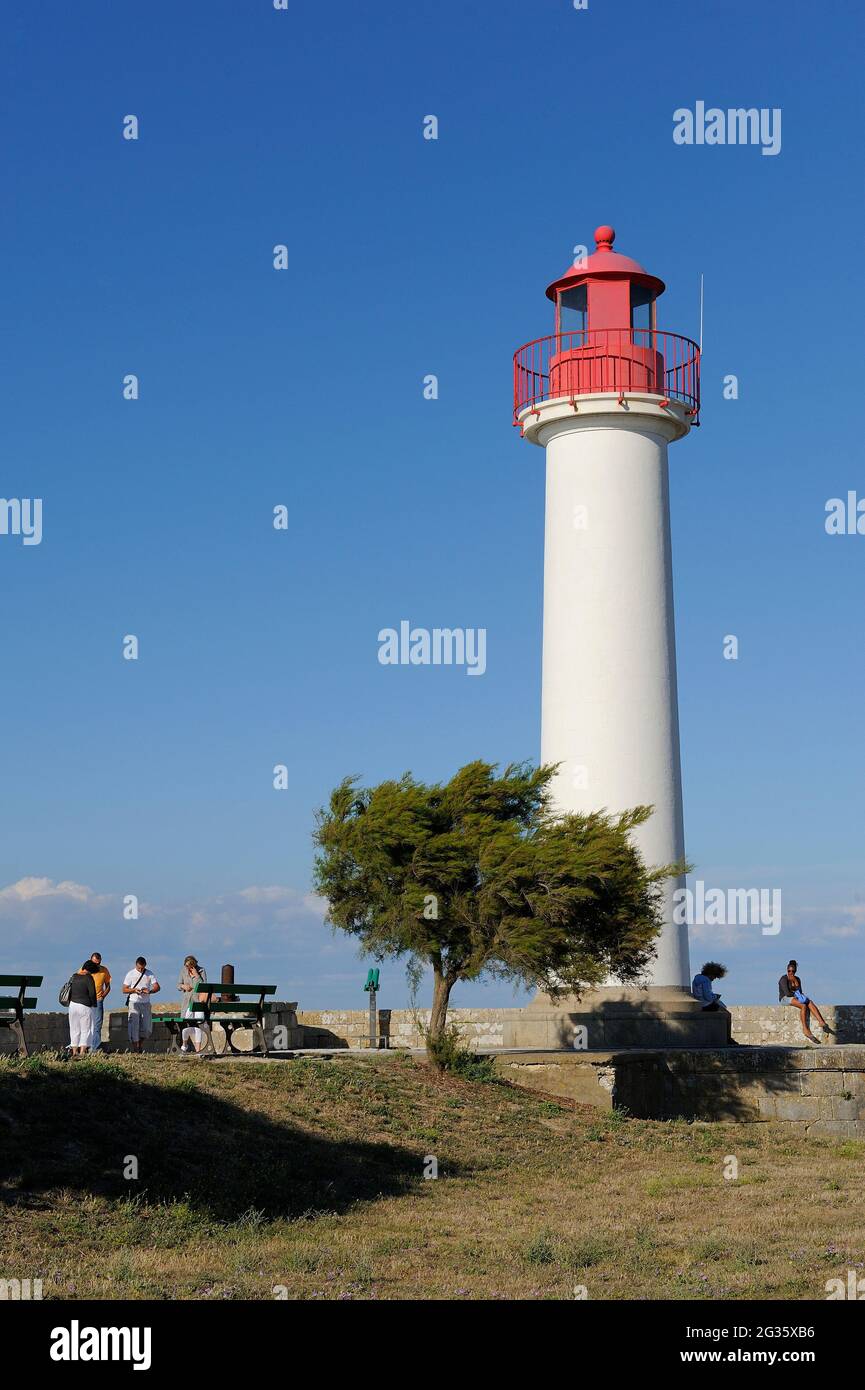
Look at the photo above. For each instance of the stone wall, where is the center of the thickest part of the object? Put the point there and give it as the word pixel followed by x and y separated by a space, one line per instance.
pixel 753 1025
pixel 481 1028
pixel 51 1031
pixel 813 1092
pixel 324 1028
pixel 780 1024
pixel 42 1030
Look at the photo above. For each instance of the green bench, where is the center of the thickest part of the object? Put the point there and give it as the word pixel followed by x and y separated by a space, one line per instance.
pixel 241 1013
pixel 12 1006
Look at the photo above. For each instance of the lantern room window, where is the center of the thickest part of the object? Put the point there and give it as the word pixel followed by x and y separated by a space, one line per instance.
pixel 642 309
pixel 572 309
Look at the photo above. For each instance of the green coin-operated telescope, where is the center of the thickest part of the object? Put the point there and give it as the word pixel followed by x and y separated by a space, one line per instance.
pixel 371 988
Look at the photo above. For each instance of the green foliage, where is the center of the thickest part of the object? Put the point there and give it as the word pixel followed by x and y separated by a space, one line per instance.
pixel 541 1250
pixel 547 1248
pixel 444 1048
pixel 478 875
pixel 473 1067
pixel 448 1052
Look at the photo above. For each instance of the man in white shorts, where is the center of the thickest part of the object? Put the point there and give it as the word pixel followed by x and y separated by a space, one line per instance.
pixel 138 987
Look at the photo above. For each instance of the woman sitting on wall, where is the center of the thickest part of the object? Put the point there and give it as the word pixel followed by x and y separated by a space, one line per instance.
pixel 790 991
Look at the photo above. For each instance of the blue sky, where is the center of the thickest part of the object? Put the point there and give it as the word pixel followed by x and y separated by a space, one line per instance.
pixel 303 387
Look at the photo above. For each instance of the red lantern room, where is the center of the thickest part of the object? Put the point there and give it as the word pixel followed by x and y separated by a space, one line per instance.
pixel 605 291
pixel 606 338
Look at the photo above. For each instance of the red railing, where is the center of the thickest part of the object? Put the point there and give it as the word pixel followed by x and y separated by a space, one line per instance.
pixel 587 361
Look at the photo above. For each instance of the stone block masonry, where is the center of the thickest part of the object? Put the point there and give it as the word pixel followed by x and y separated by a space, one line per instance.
pixel 753 1025
pixel 480 1028
pixel 812 1092
pixel 779 1025
pixel 50 1031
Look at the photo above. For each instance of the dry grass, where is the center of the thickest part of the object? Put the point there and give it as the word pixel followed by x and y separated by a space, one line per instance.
pixel 309 1175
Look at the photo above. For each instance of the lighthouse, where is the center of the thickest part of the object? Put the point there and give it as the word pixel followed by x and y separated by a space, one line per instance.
pixel 604 395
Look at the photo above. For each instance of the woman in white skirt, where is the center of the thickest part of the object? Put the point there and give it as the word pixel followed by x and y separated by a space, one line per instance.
pixel 82 1003
pixel 191 975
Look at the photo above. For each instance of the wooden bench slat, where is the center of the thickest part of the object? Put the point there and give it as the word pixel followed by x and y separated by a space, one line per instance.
pixel 221 1017
pixel 214 987
pixel 11 1001
pixel 16 981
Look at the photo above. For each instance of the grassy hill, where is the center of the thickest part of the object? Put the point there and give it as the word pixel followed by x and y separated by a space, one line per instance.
pixel 309 1175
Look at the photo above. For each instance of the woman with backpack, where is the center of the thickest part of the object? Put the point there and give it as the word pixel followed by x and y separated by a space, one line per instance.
pixel 82 1002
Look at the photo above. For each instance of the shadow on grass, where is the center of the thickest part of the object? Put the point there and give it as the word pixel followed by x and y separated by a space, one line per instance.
pixel 75 1127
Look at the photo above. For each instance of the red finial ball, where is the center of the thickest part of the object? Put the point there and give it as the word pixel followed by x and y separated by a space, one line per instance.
pixel 604 236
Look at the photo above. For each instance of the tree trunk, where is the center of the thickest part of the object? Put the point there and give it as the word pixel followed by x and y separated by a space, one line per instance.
pixel 439 1015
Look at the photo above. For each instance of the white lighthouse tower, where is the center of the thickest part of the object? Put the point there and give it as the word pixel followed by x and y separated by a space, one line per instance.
pixel 604 395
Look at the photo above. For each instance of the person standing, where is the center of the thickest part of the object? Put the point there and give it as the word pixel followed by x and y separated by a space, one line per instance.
pixel 139 985
pixel 191 975
pixel 790 992
pixel 102 981
pixel 82 1002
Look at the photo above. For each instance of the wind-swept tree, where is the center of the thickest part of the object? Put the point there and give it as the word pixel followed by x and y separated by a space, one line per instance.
pixel 479 876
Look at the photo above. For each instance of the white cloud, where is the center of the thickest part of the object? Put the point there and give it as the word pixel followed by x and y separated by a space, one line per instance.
pixel 254 917
pixel 27 890
pixel 50 927
pixel 845 921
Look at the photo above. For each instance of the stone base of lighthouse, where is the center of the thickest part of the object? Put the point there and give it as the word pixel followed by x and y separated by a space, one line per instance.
pixel 658 1016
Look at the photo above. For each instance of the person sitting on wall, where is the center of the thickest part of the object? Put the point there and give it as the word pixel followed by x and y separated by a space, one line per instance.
pixel 790 991
pixel 702 987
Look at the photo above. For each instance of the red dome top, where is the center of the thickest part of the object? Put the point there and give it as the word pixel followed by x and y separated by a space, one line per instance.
pixel 605 264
